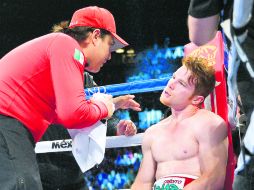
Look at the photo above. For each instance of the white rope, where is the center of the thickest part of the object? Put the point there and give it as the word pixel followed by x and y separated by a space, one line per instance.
pixel 66 144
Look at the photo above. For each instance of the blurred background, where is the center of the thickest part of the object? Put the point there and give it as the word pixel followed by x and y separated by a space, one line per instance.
pixel 156 32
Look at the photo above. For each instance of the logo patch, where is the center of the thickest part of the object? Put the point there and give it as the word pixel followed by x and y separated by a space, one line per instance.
pixel 78 55
pixel 63 144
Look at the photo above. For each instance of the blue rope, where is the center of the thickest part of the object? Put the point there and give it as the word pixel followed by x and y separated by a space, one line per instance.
pixel 129 88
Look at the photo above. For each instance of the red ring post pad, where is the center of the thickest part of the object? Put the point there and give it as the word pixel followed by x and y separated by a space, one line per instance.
pixel 214 52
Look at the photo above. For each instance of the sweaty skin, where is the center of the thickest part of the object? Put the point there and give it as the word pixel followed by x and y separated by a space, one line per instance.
pixel 195 146
pixel 180 151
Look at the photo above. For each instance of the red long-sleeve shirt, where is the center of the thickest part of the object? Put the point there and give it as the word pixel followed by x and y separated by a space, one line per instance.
pixel 41 82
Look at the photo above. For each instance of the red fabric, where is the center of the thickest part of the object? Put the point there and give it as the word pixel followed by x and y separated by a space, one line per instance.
pixel 41 83
pixel 94 16
pixel 97 17
pixel 214 51
pixel 187 180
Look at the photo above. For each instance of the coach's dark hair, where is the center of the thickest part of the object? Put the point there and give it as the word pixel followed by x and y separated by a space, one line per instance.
pixel 79 33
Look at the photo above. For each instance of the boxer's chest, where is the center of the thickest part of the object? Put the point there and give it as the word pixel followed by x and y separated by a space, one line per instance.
pixel 175 143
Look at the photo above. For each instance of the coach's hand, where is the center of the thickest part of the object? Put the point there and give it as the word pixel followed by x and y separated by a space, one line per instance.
pixel 126 102
pixel 107 100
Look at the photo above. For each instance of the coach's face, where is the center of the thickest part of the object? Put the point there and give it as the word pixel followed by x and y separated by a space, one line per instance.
pixel 98 51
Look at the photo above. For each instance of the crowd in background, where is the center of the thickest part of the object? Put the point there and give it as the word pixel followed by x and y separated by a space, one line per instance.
pixel 117 171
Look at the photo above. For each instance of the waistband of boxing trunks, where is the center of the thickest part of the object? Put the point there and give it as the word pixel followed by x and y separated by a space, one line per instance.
pixel 173 181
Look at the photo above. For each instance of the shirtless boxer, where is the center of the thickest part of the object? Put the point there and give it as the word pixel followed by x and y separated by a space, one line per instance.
pixel 187 150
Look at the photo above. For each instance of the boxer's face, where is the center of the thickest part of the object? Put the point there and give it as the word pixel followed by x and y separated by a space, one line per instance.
pixel 99 52
pixel 179 91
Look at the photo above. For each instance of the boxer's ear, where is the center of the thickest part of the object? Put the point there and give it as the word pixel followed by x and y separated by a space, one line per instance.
pixel 197 99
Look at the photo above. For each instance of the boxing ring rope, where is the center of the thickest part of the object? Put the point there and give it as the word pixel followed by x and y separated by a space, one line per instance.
pixel 130 88
pixel 66 144
pixel 150 85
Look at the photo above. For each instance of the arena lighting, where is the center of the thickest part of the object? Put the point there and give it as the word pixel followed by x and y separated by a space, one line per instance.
pixel 120 50
pixel 154 63
pixel 130 51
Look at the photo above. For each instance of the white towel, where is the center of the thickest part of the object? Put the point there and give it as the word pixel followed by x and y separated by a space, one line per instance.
pixel 88 145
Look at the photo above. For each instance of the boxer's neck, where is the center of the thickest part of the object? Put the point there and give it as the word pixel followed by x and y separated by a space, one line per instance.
pixel 181 115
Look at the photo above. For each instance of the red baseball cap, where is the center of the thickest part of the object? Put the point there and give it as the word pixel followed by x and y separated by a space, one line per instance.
pixel 97 17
